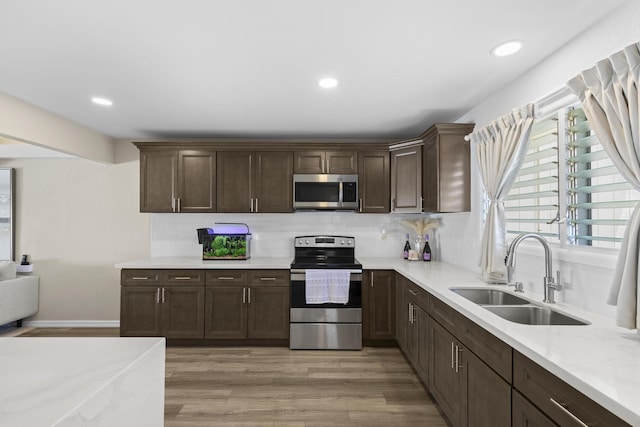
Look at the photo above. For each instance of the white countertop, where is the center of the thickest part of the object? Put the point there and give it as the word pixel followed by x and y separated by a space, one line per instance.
pixel 600 359
pixel 81 381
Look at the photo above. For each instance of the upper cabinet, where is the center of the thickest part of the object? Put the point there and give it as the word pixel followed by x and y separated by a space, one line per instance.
pixel 374 181
pixel 446 177
pixel 406 179
pixel 177 181
pixel 314 161
pixel 255 181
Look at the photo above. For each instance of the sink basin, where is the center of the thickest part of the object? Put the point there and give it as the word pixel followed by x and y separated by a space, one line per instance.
pixel 534 315
pixel 483 296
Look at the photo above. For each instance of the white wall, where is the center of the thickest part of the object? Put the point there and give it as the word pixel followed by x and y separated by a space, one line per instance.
pixel 75 219
pixel 585 274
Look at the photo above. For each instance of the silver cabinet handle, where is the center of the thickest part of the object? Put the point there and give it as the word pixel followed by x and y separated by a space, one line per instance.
pixel 158 296
pixel 139 278
pixel 182 278
pixel 421 204
pixel 360 206
pixel 563 407
pixel 409 305
pixel 244 295
pixel 226 278
pixel 164 299
pixel 458 367
pixel 248 295
pixel 179 204
pixel 412 292
pixel 256 210
pixel 173 204
pixel 267 279
pixel 372 280
pixel 453 345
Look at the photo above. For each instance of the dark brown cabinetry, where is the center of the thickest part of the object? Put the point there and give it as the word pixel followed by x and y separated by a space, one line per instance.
pixel 406 179
pixel 177 181
pixel 524 414
pixel 446 176
pixel 560 402
pixel 243 304
pixel 316 161
pixel 374 181
pixel 255 181
pixel 468 390
pixel 379 311
pixel 167 303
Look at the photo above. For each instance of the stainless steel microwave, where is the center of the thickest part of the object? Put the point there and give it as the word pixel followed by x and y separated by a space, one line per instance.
pixel 325 191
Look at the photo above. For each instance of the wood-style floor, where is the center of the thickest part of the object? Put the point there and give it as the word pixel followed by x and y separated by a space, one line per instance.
pixel 267 386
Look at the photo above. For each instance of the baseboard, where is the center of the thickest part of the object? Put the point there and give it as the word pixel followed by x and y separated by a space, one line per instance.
pixel 73 323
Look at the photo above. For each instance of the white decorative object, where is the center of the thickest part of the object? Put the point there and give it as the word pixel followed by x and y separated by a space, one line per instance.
pixel 24 268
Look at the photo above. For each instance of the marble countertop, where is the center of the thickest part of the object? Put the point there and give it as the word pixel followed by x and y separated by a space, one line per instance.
pixel 599 359
pixel 47 380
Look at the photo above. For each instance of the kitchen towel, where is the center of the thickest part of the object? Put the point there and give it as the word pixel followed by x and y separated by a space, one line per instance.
pixel 327 286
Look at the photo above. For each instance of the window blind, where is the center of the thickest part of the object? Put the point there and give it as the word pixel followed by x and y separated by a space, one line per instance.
pixel 599 199
pixel 533 201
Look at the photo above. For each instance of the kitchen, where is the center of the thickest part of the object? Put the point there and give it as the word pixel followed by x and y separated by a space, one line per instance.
pixel 96 206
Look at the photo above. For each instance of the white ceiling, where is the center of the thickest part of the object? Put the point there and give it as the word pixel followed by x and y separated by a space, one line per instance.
pixel 209 68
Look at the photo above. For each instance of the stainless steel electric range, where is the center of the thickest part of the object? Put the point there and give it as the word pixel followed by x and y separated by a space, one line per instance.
pixel 329 325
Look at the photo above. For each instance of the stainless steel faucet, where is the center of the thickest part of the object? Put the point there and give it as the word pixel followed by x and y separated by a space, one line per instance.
pixel 549 284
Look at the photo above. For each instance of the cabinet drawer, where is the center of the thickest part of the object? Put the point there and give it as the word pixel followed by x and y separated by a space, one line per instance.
pixel 561 402
pixel 141 277
pixel 443 314
pixel 226 277
pixel 524 414
pixel 418 295
pixel 268 277
pixel 493 351
pixel 191 277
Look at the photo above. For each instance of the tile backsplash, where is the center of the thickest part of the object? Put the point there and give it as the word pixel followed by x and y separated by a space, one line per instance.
pixel 376 235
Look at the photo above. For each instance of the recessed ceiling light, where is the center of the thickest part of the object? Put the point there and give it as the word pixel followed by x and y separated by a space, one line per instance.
pixel 102 101
pixel 328 83
pixel 507 48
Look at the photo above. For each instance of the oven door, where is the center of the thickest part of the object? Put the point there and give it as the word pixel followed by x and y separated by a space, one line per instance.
pixel 298 292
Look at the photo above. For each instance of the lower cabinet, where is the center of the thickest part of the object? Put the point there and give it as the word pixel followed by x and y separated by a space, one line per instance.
pixel 379 305
pixel 557 400
pixel 247 304
pixel 468 391
pixel 417 330
pixel 153 305
pixel 527 415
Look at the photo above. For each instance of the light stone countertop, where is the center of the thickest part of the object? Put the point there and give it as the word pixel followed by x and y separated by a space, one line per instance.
pixel 600 359
pixel 82 381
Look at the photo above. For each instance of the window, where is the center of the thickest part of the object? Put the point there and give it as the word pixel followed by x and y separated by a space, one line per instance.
pixel 568 190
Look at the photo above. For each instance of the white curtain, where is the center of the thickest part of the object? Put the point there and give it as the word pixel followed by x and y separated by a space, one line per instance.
pixel 609 95
pixel 500 149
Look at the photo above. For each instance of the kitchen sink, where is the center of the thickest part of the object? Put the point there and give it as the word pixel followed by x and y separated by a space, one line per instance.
pixel 533 315
pixel 483 296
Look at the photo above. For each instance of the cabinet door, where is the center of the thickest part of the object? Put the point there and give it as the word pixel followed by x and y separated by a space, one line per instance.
pixel 158 180
pixel 444 382
pixel 268 312
pixel 374 181
pixel 406 180
pixel 196 181
pixel 421 363
pixel 486 398
pixel 309 162
pixel 140 311
pixel 234 179
pixel 225 312
pixel 447 174
pixel 273 182
pixel 341 162
pixel 183 311
pixel 402 315
pixel 382 300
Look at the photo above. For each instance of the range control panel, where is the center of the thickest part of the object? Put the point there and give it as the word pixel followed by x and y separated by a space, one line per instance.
pixel 324 242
